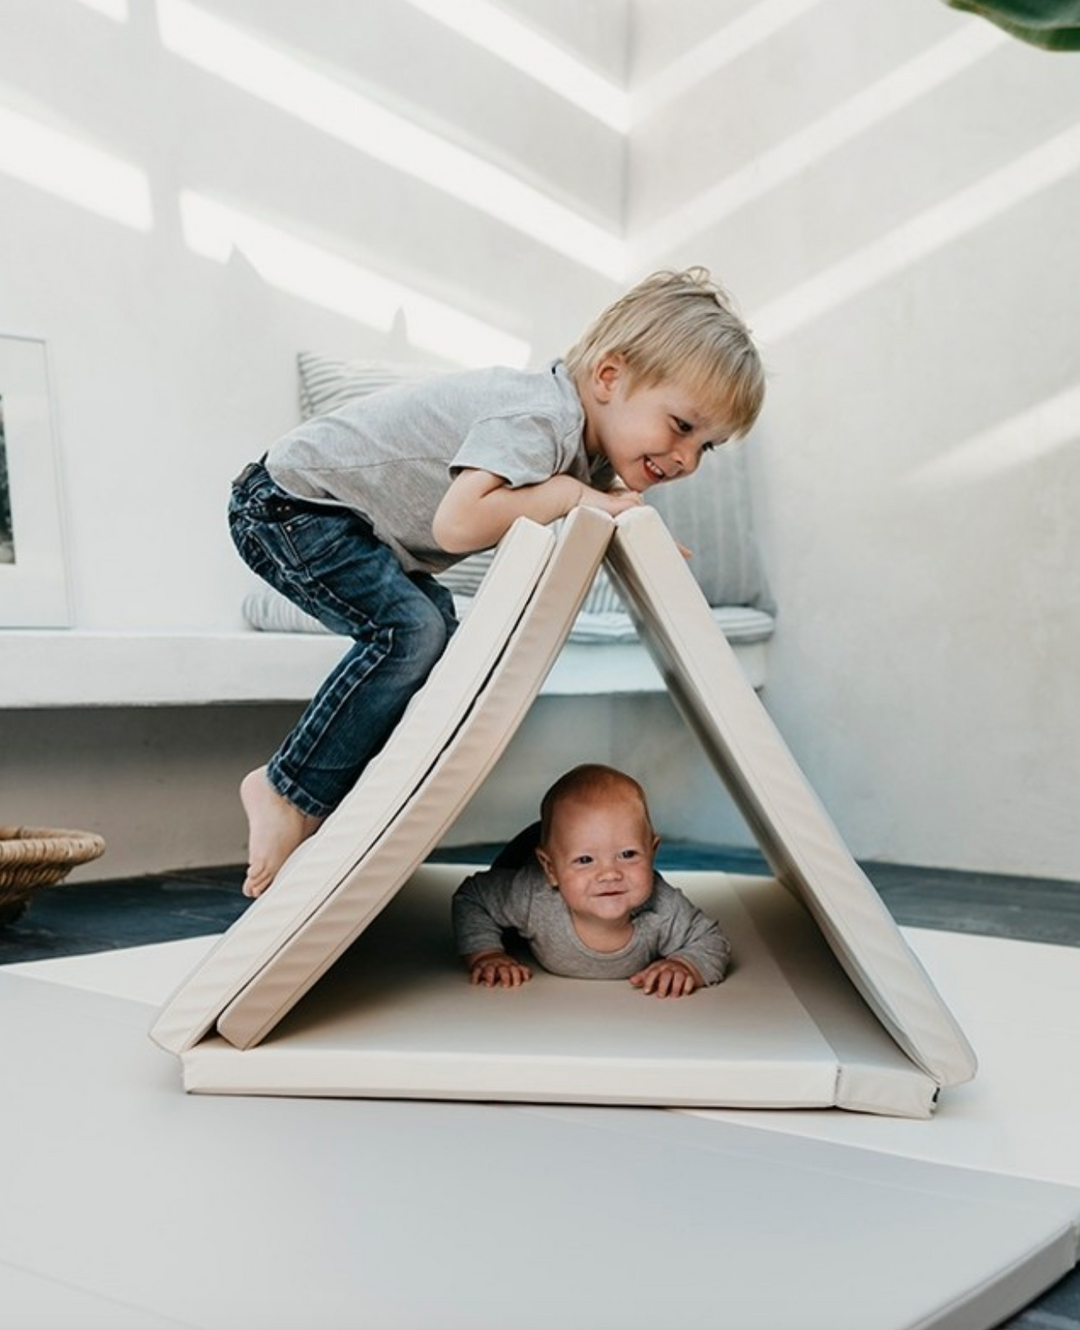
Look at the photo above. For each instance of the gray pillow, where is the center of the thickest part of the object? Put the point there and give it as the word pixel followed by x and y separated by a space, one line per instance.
pixel 269 611
pixel 326 384
pixel 710 514
pixel 464 579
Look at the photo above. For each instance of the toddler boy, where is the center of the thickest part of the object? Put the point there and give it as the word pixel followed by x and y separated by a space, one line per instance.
pixel 352 513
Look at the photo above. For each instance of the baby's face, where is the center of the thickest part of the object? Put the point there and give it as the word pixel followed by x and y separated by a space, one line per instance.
pixel 600 856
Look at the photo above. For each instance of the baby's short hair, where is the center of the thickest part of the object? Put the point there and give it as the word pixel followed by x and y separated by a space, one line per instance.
pixel 680 325
pixel 590 781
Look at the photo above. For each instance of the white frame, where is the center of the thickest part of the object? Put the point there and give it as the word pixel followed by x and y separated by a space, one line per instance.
pixel 33 589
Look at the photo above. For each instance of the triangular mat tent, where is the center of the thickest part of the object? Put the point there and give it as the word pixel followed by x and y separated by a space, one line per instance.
pixel 826 1004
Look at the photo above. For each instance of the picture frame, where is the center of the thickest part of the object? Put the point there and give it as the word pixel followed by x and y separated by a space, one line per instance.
pixel 34 589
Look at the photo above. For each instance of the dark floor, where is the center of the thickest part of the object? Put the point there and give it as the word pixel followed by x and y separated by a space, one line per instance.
pixel 77 917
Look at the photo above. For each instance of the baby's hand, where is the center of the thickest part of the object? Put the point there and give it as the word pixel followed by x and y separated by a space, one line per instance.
pixel 667 978
pixel 495 969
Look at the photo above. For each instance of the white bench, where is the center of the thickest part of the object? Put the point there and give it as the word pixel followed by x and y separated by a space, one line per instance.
pixel 48 669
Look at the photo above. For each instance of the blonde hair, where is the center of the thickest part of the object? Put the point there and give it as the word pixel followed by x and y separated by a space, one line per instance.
pixel 680 325
pixel 590 782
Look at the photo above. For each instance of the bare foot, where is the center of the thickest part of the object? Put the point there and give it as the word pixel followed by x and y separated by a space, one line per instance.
pixel 275 828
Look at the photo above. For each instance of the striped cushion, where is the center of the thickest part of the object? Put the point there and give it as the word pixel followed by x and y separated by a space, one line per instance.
pixel 270 612
pixel 326 384
pixel 710 514
pixel 464 579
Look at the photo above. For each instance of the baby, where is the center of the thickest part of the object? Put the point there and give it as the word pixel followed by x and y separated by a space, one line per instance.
pixel 591 907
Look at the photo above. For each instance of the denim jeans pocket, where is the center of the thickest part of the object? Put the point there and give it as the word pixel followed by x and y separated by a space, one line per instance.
pixel 313 541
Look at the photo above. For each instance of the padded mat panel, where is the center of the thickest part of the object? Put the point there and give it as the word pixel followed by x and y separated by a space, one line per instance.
pixel 431 719
pixel 346 878
pixel 349 900
pixel 397 1017
pixel 802 845
pixel 345 1201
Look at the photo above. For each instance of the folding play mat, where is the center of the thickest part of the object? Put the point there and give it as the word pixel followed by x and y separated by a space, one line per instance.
pixel 342 979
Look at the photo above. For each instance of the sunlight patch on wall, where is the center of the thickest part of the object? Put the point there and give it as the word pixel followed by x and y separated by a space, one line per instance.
pixel 322 278
pixel 804 149
pixel 1023 439
pixel 706 58
pixel 872 264
pixel 74 171
pixel 329 106
pixel 528 51
pixel 117 10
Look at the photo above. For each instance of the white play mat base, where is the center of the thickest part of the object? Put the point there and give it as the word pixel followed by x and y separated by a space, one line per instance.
pixel 129 1205
pixel 396 1017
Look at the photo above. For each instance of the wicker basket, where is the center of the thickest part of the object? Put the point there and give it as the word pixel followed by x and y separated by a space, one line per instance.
pixel 33 857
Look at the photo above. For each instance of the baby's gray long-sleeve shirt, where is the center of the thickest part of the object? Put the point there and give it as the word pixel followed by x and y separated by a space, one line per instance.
pixel 667 925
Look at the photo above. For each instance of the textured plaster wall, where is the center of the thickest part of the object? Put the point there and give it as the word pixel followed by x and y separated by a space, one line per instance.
pixel 891 191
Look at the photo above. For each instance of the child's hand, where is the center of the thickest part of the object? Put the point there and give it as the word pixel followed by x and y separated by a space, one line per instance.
pixel 496 969
pixel 667 978
pixel 613 501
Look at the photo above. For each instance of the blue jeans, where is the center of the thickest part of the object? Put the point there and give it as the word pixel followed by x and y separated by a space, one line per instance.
pixel 330 563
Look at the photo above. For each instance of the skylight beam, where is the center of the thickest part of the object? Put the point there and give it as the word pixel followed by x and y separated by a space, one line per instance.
pixel 117 10
pixel 62 165
pixel 332 282
pixel 706 58
pixel 523 48
pixel 356 120
pixel 799 152
pixel 930 230
pixel 1019 441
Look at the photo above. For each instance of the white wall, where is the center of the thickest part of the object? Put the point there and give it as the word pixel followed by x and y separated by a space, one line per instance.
pixel 171 368
pixel 896 216
pixel 122 125
pixel 893 193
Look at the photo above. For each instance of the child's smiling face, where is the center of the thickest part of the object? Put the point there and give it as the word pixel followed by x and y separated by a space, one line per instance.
pixel 649 434
pixel 600 856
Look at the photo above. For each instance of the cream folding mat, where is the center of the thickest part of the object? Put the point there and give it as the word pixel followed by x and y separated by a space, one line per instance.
pixel 826 1004
pixel 450 736
pixel 795 834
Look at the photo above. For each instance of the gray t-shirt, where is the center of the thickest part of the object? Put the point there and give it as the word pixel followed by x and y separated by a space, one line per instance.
pixel 392 454
pixel 667 925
